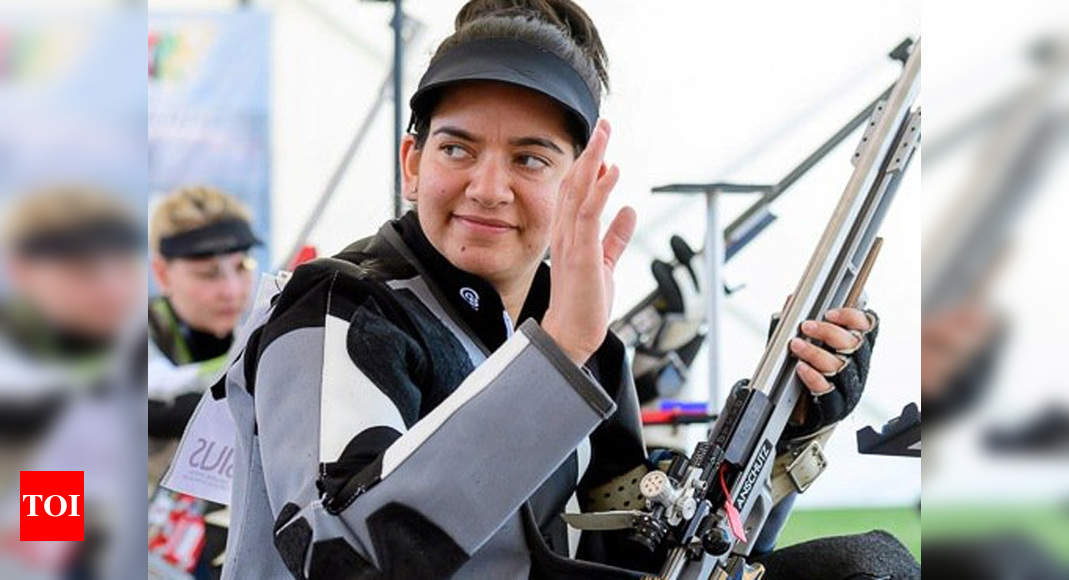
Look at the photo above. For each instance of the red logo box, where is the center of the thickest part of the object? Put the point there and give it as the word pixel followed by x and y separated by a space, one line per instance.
pixel 51 506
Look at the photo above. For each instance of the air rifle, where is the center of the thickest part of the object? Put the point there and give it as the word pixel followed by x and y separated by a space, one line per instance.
pixel 709 508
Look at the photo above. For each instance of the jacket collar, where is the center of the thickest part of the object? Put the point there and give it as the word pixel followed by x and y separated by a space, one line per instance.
pixel 179 341
pixel 471 297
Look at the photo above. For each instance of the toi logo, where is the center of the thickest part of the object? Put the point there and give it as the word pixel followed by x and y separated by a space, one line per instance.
pixel 51 506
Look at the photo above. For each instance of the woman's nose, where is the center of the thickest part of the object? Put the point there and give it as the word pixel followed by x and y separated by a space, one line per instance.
pixel 233 285
pixel 489 185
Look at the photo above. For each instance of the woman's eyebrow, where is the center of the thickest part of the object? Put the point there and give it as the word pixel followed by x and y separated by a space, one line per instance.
pixel 536 141
pixel 459 133
pixel 456 132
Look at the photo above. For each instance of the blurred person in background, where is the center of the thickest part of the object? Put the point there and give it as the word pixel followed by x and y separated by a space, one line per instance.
pixel 74 281
pixel 200 239
pixel 73 270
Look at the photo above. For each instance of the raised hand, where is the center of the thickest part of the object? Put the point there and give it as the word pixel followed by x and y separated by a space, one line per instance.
pixel 582 263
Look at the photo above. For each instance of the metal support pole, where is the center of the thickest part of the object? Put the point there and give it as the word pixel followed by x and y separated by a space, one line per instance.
pixel 398 97
pixel 714 261
pixel 713 256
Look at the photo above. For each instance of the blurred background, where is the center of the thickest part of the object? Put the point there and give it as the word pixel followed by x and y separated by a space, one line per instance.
pixel 996 464
pixel 72 291
pixel 287 106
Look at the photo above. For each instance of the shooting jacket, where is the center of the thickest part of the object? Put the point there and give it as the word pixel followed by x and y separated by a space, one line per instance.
pixel 393 423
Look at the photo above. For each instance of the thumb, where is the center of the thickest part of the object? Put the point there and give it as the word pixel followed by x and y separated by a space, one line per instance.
pixel 618 236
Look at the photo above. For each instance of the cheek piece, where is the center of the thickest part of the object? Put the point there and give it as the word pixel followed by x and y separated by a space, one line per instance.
pixel 509 61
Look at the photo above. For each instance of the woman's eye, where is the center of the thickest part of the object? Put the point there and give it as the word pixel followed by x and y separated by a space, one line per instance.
pixel 454 151
pixel 532 162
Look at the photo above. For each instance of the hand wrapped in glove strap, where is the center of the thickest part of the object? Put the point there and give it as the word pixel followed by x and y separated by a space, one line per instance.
pixel 834 368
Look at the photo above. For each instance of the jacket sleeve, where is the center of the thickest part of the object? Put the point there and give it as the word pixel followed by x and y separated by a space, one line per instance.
pixel 360 478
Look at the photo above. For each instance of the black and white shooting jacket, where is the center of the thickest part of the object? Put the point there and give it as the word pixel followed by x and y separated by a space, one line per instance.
pixel 393 423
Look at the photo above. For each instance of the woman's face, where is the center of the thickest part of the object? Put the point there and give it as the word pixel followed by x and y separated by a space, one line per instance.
pixel 209 294
pixel 93 295
pixel 486 181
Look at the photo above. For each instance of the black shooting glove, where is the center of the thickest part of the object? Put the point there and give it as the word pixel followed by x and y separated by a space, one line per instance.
pixel 848 383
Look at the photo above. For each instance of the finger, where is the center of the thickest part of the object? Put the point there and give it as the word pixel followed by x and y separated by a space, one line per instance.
pixel 556 230
pixel 619 235
pixel 577 184
pixel 567 205
pixel 595 202
pixel 851 318
pixel 817 357
pixel 830 334
pixel 589 163
pixel 814 381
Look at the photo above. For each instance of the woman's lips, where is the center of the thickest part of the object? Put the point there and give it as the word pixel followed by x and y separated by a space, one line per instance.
pixel 484 225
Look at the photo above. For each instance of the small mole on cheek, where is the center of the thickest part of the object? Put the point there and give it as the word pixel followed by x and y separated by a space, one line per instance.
pixel 462 248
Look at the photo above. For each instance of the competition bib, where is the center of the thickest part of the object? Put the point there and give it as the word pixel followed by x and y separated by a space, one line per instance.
pixel 203 464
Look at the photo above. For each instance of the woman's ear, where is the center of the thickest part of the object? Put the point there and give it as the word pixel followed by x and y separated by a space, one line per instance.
pixel 410 155
pixel 160 273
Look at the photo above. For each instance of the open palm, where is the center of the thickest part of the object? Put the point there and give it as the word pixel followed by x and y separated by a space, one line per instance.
pixel 582 261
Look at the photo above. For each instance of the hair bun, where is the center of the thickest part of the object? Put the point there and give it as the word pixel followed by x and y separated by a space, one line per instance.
pixel 565 15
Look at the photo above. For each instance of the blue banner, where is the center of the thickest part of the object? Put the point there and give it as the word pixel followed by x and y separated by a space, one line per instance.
pixel 209 100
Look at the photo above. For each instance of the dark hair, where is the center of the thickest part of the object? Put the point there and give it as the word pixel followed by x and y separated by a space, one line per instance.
pixel 560 27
